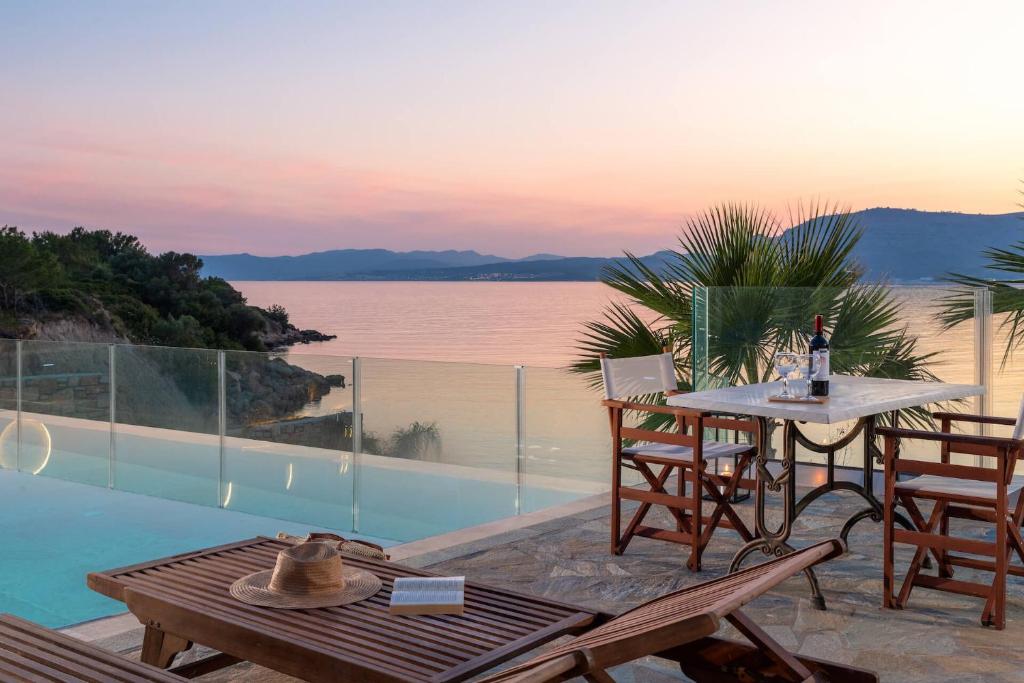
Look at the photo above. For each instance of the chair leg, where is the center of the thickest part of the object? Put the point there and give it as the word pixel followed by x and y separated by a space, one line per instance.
pixel 922 550
pixel 681 492
pixel 695 526
pixel 888 586
pixel 616 519
pixel 995 607
pixel 945 567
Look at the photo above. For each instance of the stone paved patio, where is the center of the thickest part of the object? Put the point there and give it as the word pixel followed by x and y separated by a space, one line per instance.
pixel 937 639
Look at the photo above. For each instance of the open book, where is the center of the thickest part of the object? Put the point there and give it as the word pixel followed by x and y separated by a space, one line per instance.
pixel 428 595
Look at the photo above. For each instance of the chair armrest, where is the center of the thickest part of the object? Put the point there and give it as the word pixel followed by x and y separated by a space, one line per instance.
pixel 978 419
pixel 946 437
pixel 652 408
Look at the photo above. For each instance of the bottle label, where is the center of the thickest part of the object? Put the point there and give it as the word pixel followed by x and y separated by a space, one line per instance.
pixel 822 374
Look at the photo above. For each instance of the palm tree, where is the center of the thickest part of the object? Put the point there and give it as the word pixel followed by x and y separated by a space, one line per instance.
pixel 1005 284
pixel 765 285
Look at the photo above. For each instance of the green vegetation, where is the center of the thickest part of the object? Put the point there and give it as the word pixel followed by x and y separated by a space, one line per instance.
pixel 766 289
pixel 110 280
pixel 1005 282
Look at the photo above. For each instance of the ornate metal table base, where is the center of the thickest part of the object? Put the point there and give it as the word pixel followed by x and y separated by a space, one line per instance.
pixel 775 542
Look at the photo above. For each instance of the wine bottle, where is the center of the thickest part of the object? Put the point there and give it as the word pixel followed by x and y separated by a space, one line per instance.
pixel 819 348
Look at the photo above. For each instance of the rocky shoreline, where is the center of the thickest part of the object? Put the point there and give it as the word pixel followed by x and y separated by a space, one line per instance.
pixel 280 339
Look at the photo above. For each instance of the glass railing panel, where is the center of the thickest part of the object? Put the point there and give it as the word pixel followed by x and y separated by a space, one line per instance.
pixel 1007 376
pixel 438 447
pixel 566 442
pixel 166 440
pixel 65 418
pixel 8 404
pixel 747 325
pixel 288 437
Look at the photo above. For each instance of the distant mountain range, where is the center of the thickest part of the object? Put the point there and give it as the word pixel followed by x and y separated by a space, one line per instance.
pixel 898 244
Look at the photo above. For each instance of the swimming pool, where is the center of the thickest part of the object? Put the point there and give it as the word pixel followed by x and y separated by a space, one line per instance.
pixel 55 532
pixel 178 491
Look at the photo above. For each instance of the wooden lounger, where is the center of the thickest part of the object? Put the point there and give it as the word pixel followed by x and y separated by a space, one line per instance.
pixel 184 600
pixel 31 653
pixel 680 625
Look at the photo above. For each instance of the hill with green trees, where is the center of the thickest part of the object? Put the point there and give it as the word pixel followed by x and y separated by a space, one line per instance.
pixel 95 285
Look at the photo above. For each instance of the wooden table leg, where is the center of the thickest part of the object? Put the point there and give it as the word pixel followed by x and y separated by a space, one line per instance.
pixel 159 648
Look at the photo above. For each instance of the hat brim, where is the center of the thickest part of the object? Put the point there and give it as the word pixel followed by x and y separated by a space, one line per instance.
pixel 254 589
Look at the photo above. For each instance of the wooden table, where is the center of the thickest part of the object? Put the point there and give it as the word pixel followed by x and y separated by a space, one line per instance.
pixel 184 600
pixel 862 399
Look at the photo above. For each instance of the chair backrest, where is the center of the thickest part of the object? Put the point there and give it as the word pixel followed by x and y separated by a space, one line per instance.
pixel 680 617
pixel 638 375
pixel 1018 429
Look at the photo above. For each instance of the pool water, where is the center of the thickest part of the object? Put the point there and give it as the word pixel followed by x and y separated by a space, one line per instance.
pixel 55 532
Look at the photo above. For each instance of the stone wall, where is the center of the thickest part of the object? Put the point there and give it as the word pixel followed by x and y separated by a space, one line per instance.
pixel 83 395
pixel 326 431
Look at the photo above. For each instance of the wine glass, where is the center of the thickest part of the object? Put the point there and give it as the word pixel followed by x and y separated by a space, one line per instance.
pixel 806 367
pixel 785 364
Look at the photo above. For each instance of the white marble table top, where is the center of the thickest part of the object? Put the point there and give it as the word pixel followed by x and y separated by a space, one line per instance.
pixel 850 398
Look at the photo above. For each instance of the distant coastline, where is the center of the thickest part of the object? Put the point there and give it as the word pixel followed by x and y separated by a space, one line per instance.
pixel 899 245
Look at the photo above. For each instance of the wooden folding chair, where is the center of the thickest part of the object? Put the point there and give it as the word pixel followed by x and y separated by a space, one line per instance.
pixel 685 453
pixel 680 627
pixel 991 494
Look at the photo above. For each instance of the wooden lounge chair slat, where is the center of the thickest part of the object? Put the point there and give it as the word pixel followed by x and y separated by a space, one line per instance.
pixel 29 652
pixel 226 576
pixel 504 602
pixel 682 617
pixel 360 615
pixel 500 609
pixel 290 622
pixel 188 595
pixel 340 642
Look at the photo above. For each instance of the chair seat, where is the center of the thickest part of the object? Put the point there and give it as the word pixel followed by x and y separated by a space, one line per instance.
pixel 937 485
pixel 712 450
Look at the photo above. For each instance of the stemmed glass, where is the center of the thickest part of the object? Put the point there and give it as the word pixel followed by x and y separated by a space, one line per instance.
pixel 807 366
pixel 785 364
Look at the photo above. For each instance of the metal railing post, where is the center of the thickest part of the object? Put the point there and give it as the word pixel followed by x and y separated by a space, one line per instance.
pixel 112 452
pixel 983 355
pixel 357 436
pixel 17 402
pixel 222 419
pixel 701 378
pixel 520 417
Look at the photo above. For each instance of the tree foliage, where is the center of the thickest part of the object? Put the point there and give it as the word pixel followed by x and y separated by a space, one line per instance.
pixel 1006 284
pixel 765 284
pixel 160 299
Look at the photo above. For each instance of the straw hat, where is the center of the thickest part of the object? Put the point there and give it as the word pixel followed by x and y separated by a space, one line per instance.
pixel 306 575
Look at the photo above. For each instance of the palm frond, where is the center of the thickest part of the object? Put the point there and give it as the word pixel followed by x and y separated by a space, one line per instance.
pixel 957 306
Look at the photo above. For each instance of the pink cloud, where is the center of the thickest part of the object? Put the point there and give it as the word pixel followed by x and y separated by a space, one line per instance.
pixel 215 200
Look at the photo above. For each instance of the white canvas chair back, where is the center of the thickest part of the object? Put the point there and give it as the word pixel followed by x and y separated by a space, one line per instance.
pixel 1018 430
pixel 638 376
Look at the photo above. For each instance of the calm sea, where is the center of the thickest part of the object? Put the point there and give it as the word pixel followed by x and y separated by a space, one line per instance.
pixel 496 325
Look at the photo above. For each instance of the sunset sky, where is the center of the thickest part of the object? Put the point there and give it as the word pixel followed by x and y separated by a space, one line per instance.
pixel 508 127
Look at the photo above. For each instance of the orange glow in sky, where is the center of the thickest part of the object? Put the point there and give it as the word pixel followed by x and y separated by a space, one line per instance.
pixel 572 127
